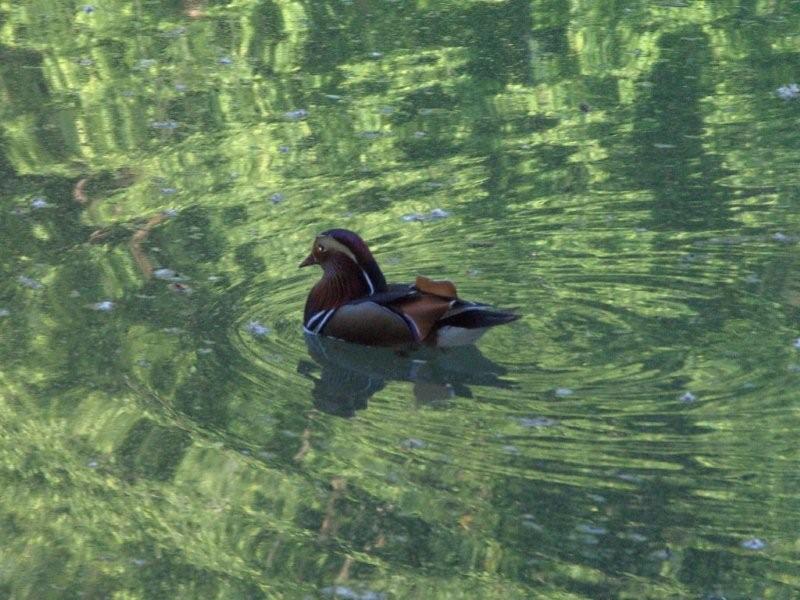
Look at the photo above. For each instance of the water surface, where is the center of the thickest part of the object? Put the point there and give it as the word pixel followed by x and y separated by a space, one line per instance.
pixel 624 174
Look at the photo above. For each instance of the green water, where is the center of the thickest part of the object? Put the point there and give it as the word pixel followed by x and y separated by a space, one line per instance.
pixel 624 174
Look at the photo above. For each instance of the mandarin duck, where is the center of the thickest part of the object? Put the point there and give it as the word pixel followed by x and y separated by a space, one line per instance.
pixel 354 303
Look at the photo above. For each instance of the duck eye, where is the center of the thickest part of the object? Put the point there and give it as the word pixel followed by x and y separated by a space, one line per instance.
pixel 320 248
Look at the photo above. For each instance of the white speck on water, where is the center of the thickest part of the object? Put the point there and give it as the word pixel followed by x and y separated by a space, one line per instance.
pixel 663 146
pixel 334 97
pixel 277 198
pixel 296 115
pixel 563 392
pixel 168 191
pixel 782 238
pixel 636 537
pixel 29 282
pixel 257 329
pixel 790 91
pixel 412 444
pixel 74 294
pixel 170 213
pixel 436 213
pixel 591 529
pixel 205 350
pixel 4 312
pixel 86 62
pixel 172 330
pixel 511 449
pixel 796 344
pixel 139 562
pixel 39 203
pixel 688 397
pixel 375 55
pixel 102 306
pixel 181 87
pixel 754 544
pixel 752 278
pixel 341 591
pixel 146 63
pixel 537 422
pixel 664 554
pixel 92 464
pixel 420 134
pixel 168 275
pixel 371 134
pixel 168 124
pixel 225 60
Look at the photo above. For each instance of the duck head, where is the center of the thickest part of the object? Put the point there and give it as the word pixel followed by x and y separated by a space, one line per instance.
pixel 349 270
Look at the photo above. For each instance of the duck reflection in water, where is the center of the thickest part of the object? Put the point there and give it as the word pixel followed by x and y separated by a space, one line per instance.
pixel 346 375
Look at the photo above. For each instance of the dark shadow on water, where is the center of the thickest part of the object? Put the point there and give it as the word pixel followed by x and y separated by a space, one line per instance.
pixel 347 375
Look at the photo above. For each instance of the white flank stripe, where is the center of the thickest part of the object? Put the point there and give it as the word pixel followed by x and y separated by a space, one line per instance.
pixel 369 282
pixel 324 320
pixel 311 321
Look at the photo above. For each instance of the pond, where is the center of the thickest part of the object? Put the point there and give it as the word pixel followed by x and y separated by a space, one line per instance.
pixel 622 174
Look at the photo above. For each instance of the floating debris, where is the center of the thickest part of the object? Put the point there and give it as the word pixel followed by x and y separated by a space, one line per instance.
pixel 754 544
pixel 783 238
pixel 591 529
pixel 30 282
pixel 180 288
pixel 257 329
pixel 688 397
pixel 537 422
pixel 436 213
pixel 277 198
pixel 168 275
pixel 412 444
pixel 168 124
pixel 563 392
pixel 102 306
pixel 790 91
pixel 296 115
pixel 39 203
pixel 341 591
pixel 664 554
pixel 4 312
